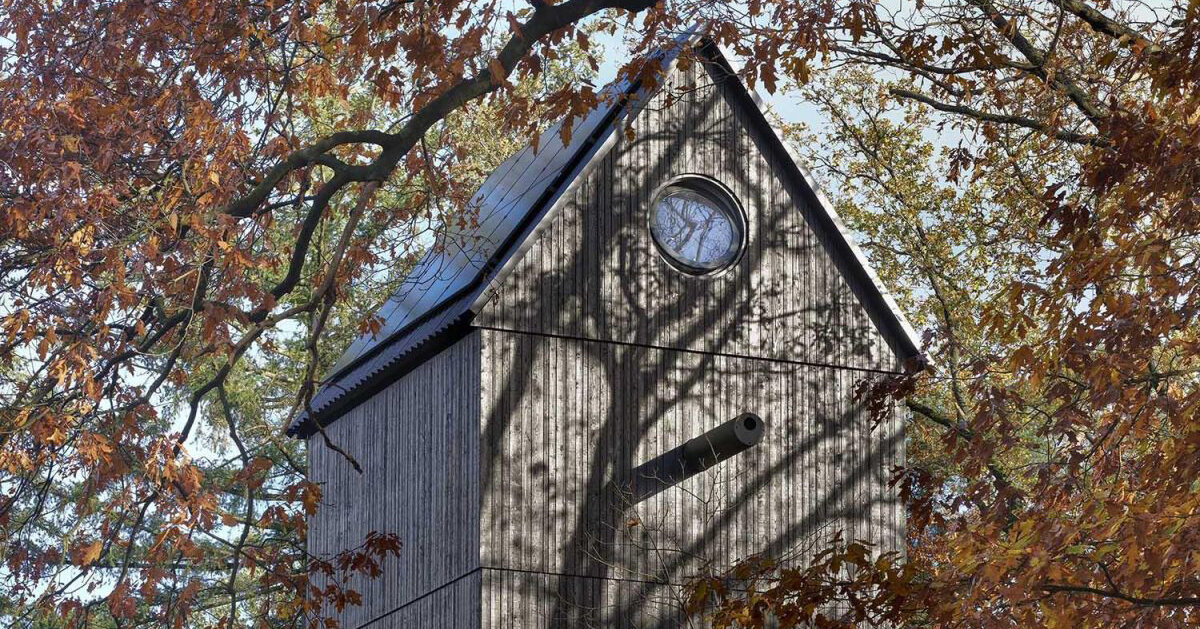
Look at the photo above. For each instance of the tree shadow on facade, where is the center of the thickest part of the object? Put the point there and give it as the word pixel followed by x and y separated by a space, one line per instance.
pixel 631 358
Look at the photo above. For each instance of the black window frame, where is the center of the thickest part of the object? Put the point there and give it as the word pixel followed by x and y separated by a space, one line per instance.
pixel 722 199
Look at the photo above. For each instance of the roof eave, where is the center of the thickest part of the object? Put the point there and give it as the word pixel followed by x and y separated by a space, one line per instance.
pixel 885 311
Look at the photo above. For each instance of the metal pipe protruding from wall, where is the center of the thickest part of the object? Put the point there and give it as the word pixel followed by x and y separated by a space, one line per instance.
pixel 736 435
pixel 693 457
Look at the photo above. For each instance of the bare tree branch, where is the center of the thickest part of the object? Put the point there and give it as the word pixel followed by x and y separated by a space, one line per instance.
pixel 984 116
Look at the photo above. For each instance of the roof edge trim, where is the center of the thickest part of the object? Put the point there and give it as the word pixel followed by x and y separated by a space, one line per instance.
pixel 903 331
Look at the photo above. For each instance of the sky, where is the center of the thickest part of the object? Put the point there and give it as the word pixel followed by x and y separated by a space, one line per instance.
pixel 789 106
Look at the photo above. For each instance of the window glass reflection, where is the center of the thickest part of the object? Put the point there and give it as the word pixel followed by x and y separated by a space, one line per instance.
pixel 697 232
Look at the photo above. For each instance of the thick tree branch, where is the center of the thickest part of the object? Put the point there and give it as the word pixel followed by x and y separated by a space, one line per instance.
pixel 546 19
pixel 1095 113
pixel 1103 24
pixel 984 116
pixel 1141 601
pixel 998 475
pixel 307 156
pixel 934 416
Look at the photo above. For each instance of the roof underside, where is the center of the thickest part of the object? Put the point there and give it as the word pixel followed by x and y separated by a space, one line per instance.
pixel 437 300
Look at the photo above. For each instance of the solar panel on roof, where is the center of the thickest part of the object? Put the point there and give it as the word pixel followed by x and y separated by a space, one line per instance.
pixel 437 295
pixel 461 254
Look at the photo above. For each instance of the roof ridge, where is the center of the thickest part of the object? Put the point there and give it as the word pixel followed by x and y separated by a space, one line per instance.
pixel 372 362
pixel 509 227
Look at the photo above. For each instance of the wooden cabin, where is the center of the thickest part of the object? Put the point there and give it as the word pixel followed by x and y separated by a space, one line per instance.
pixel 637 366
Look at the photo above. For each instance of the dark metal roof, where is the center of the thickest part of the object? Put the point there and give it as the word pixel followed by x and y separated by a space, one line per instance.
pixel 437 295
pixel 437 300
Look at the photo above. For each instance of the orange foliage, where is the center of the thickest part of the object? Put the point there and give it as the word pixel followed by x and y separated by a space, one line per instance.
pixel 166 195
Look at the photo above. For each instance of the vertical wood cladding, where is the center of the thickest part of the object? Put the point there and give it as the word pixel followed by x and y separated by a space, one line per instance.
pixel 566 420
pixel 584 380
pixel 500 461
pixel 594 272
pixel 417 442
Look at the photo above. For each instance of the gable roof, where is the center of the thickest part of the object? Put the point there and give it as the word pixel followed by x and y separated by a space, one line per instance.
pixel 441 295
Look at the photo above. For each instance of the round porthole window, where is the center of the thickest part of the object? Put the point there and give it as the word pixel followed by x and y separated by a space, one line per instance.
pixel 697 226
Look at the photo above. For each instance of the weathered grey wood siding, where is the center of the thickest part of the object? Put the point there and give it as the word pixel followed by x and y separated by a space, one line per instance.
pixel 533 599
pixel 598 357
pixel 418 444
pixel 594 272
pixel 499 461
pixel 566 420
pixel 456 604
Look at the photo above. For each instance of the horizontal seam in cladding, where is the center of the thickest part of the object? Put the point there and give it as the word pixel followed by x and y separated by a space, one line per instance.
pixel 515 571
pixel 352 394
pixel 783 361
pixel 580 576
pixel 425 595
pixel 531 218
